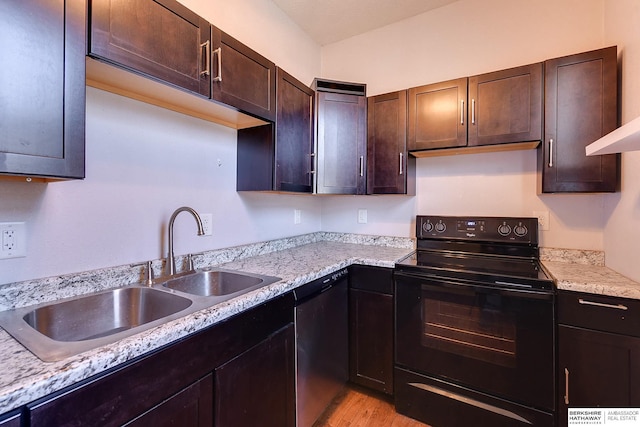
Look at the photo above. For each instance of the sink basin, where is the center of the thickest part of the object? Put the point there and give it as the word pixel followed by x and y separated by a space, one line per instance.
pixel 218 282
pixel 103 314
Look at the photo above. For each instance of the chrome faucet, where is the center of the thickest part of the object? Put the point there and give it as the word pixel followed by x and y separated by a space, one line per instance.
pixel 171 259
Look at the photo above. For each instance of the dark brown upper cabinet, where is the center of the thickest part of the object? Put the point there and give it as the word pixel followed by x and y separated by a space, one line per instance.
pixel 437 115
pixel 505 106
pixel 164 40
pixel 341 137
pixel 241 77
pixel 158 38
pixel 389 169
pixel 580 107
pixel 279 156
pixel 42 88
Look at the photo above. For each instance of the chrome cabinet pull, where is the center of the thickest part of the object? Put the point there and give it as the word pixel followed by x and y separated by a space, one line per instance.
pixel 566 386
pixel 602 304
pixel 218 53
pixel 551 152
pixel 462 112
pixel 401 164
pixel 207 52
pixel 473 111
pixel 361 165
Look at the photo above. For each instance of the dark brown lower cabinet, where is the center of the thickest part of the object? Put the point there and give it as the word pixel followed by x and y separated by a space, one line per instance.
pixel 10 420
pixel 598 361
pixel 186 383
pixel 371 327
pixel 255 388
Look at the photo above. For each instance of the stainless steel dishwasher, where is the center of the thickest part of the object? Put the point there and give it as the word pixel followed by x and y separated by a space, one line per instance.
pixel 322 344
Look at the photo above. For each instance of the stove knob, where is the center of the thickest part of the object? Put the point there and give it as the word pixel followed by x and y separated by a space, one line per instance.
pixel 520 230
pixel 427 227
pixel 441 227
pixel 504 229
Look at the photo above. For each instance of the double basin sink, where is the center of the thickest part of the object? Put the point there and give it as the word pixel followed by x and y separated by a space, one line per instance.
pixel 54 331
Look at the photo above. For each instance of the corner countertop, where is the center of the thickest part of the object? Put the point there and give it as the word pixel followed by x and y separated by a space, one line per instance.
pixel 584 271
pixel 25 378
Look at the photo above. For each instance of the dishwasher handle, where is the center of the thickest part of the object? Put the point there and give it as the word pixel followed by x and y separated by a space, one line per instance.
pixel 316 287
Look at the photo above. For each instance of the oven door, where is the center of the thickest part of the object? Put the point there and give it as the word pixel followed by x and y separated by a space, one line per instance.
pixel 496 341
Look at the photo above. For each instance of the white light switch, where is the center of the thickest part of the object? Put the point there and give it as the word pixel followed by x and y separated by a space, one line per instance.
pixel 362 216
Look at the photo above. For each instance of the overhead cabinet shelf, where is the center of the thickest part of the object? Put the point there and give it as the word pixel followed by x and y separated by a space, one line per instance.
pixel 173 54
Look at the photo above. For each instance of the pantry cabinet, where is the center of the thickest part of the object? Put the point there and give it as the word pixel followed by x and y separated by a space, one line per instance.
pixel 42 88
pixel 598 352
pixel 371 327
pixel 580 107
pixel 389 168
pixel 341 137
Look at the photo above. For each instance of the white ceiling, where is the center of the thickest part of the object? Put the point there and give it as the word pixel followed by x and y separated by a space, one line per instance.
pixel 328 21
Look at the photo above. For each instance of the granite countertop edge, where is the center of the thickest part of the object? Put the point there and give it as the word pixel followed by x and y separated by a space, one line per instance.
pixel 25 378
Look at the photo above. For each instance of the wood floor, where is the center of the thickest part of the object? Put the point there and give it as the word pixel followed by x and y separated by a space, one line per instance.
pixel 358 407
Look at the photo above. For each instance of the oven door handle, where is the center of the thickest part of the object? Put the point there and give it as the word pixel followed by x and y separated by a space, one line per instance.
pixel 434 282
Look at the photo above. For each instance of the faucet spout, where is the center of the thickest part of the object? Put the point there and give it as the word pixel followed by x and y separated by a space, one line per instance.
pixel 171 260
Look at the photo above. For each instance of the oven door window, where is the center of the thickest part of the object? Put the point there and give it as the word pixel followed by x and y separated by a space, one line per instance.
pixel 493 340
pixel 480 327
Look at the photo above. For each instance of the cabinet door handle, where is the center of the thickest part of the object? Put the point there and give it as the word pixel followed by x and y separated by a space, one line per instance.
pixel 207 54
pixel 218 53
pixel 462 111
pixel 551 152
pixel 566 386
pixel 602 304
pixel 401 164
pixel 361 165
pixel 473 111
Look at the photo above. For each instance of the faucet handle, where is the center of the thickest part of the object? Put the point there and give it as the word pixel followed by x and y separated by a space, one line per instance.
pixel 150 276
pixel 189 262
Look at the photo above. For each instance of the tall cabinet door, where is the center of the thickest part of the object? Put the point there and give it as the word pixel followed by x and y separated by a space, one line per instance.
pixel 294 134
pixel 387 162
pixel 437 115
pixel 42 88
pixel 342 143
pixel 159 38
pixel 241 77
pixel 505 106
pixel 580 107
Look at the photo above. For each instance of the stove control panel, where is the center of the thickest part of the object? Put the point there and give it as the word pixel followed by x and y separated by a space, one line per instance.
pixel 493 229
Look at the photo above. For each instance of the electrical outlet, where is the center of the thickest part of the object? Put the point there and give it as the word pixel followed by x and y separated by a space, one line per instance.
pixel 13 240
pixel 297 216
pixel 207 223
pixel 362 216
pixel 543 219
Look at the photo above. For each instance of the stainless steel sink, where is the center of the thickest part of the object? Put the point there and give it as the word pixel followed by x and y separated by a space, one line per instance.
pixel 104 314
pixel 56 330
pixel 218 282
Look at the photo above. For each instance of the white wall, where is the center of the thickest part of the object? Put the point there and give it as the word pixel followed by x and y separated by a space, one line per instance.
pixel 143 162
pixel 462 39
pixel 622 231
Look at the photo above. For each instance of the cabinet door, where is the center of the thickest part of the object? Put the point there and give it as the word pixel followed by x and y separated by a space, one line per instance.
pixel 42 88
pixel 580 106
pixel 158 38
pixel 371 340
pixel 389 171
pixel 342 143
pixel 191 407
pixel 437 115
pixel 242 78
pixel 596 369
pixel 11 420
pixel 294 135
pixel 257 387
pixel 506 106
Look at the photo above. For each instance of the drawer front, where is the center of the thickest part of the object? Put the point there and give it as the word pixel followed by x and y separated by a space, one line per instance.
pixel 599 312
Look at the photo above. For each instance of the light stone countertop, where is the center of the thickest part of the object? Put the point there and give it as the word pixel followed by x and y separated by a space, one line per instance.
pixel 25 378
